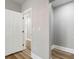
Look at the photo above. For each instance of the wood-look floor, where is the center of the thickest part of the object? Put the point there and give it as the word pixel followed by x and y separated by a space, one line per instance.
pixel 20 55
pixel 58 54
pixel 25 54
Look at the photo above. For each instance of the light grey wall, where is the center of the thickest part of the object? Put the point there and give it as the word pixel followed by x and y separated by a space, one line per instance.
pixel 64 25
pixel 40 20
pixel 9 4
pixel 51 25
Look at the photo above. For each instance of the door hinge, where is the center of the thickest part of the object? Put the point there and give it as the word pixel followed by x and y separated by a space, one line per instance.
pixel 22 17
pixel 23 31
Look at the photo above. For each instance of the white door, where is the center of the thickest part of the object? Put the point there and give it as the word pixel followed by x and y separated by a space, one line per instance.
pixel 13 32
pixel 27 28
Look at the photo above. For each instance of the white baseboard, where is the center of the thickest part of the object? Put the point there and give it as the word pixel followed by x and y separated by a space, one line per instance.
pixel 63 48
pixel 12 52
pixel 34 56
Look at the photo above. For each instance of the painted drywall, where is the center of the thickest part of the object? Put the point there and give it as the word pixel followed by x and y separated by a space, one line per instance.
pixel 41 25
pixel 27 4
pixel 9 4
pixel 13 32
pixel 40 20
pixel 51 25
pixel 64 25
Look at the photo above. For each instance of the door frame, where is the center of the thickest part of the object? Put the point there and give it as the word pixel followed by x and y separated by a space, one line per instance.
pixel 23 13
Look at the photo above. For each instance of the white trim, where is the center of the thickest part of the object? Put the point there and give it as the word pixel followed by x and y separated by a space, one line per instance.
pixel 63 48
pixel 24 13
pixel 52 47
pixel 6 54
pixel 34 56
pixel 27 10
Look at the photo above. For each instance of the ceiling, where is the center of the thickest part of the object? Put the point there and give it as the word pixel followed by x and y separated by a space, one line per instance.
pixel 19 1
pixel 56 3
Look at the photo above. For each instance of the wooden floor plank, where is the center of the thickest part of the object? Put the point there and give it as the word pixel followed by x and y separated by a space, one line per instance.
pixel 19 55
pixel 11 57
pixel 25 55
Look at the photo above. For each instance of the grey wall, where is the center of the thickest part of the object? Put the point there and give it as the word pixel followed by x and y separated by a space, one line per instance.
pixel 9 4
pixel 40 20
pixel 64 25
pixel 51 25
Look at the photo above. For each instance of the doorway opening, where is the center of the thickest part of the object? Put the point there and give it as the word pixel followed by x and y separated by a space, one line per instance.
pixel 27 16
